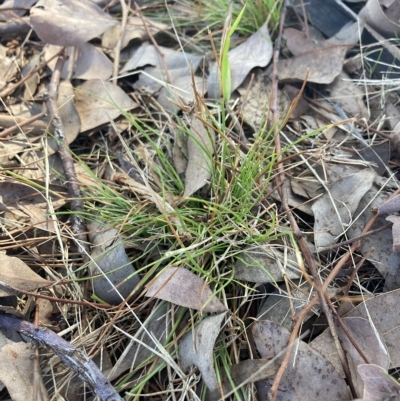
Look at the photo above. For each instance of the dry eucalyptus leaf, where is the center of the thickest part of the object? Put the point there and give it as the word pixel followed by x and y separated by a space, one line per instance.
pixel 265 264
pixel 118 277
pixel 17 370
pixel 378 384
pixel 135 354
pixel 45 310
pixel 247 371
pixel 294 201
pixel 31 83
pixel 8 67
pixel 257 99
pixel 298 43
pixel 308 376
pixel 200 150
pixel 392 114
pixel 197 349
pixel 23 200
pixel 98 102
pixel 278 305
pixel 256 51
pixel 331 220
pixel 350 96
pixel 373 347
pixel 16 275
pixel 181 92
pixel 148 54
pixel 368 340
pixel 134 30
pixel 383 258
pixel 270 338
pixel 70 22
pixel 159 324
pixel 385 22
pixel 390 206
pixel 395 232
pixel 69 116
pixel 348 35
pixel 377 155
pixel 89 62
pixel 178 65
pixel 182 287
pixel 380 314
pixel 8 149
pixel 322 61
pixel 10 8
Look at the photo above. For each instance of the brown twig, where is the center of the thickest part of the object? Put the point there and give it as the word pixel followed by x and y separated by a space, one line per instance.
pixel 74 193
pixel 22 124
pixel 355 239
pixel 353 274
pixel 12 88
pixel 305 250
pixel 151 37
pixel 67 301
pixel 117 49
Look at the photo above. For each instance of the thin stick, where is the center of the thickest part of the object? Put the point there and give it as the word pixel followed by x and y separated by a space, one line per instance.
pixel 355 239
pixel 151 37
pixel 24 123
pixel 305 250
pixel 117 49
pixel 74 193
pixel 67 301
pixel 12 88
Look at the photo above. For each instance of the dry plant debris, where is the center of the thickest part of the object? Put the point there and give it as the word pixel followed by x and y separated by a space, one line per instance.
pixel 199 200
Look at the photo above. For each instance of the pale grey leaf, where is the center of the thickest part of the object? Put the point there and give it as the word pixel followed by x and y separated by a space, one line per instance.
pixel 200 151
pixel 69 22
pixel 334 210
pixel 117 277
pixel 197 349
pixel 256 51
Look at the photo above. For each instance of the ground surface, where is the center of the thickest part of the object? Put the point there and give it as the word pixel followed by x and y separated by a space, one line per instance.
pixel 199 200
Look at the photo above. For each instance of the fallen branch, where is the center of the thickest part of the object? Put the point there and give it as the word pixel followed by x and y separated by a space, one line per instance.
pixel 73 358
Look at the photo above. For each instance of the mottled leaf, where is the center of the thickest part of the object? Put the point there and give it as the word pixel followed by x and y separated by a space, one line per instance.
pixel 378 385
pixel 308 376
pixel 321 62
pixel 379 314
pixel 395 232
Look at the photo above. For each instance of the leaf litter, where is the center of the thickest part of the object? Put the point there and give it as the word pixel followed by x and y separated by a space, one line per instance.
pixel 190 220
